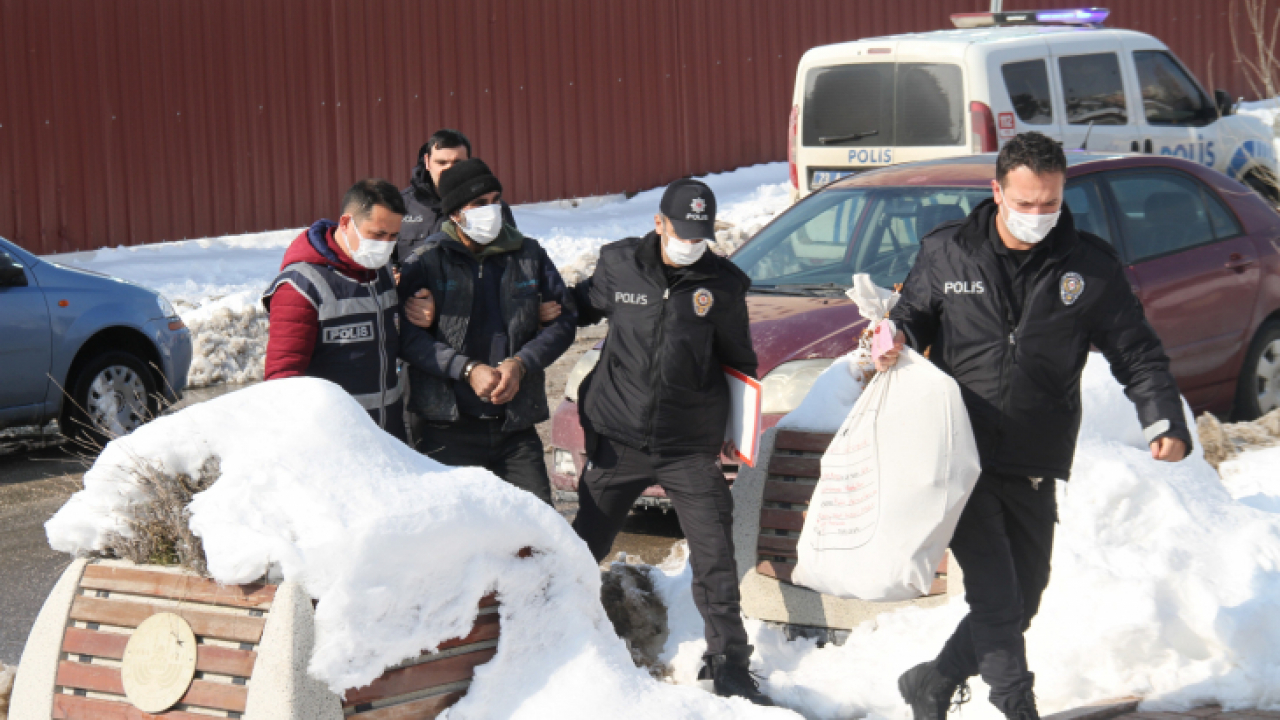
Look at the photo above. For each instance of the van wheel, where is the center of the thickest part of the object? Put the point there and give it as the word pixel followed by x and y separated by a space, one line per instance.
pixel 1258 392
pixel 1267 190
pixel 113 395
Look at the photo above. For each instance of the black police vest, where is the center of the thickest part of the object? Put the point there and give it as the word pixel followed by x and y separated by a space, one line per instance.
pixel 358 338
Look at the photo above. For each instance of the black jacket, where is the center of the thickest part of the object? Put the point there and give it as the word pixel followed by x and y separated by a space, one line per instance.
pixel 423 217
pixel 487 310
pixel 659 384
pixel 1020 377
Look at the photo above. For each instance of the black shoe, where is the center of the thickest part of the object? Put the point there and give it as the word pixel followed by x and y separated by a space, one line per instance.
pixel 1023 706
pixel 929 692
pixel 731 676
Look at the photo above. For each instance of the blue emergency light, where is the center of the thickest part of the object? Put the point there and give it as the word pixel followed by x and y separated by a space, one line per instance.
pixel 1077 16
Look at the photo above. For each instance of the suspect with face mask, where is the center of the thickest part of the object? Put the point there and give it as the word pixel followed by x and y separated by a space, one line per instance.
pixel 655 407
pixel 333 307
pixel 477 385
pixel 1009 301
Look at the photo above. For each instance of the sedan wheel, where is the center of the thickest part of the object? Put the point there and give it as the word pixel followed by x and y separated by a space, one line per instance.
pixel 1267 377
pixel 117 400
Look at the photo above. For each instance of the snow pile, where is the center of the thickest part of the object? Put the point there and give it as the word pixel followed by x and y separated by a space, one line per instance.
pixel 1221 442
pixel 397 548
pixel 1265 110
pixel 1164 586
pixel 215 283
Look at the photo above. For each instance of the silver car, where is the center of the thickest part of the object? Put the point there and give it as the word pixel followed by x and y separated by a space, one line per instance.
pixel 98 354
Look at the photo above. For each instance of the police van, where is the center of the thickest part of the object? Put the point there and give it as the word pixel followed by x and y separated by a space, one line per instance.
pixel 880 101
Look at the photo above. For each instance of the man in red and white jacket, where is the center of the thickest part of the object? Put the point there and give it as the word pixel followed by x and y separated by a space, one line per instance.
pixel 334 310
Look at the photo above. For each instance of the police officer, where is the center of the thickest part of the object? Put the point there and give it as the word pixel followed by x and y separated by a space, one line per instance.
pixel 333 307
pixel 1010 300
pixel 655 407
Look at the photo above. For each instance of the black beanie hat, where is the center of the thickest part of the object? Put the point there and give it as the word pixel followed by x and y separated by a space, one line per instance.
pixel 465 182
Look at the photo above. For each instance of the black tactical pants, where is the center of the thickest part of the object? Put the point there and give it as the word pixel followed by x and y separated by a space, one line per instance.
pixel 1003 543
pixel 515 456
pixel 618 474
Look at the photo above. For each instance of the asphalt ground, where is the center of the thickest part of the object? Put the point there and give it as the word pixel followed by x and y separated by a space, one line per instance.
pixel 37 477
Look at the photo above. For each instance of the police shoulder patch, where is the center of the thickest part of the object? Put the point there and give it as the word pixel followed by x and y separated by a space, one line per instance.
pixel 1072 286
pixel 702 301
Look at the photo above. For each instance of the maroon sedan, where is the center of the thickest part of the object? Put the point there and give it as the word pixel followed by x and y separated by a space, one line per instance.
pixel 1199 248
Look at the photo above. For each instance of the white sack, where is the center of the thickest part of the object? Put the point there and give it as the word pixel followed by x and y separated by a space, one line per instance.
pixel 894 481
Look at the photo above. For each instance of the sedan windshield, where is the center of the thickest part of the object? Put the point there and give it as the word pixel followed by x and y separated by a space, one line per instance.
pixel 820 244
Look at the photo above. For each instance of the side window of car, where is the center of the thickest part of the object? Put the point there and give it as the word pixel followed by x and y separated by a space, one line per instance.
pixel 1028 86
pixel 1169 95
pixel 1093 89
pixel 1087 209
pixel 1162 212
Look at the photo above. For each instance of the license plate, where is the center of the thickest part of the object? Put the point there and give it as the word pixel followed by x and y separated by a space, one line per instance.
pixel 826 177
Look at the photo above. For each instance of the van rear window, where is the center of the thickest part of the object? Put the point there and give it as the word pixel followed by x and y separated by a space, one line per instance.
pixel 884 104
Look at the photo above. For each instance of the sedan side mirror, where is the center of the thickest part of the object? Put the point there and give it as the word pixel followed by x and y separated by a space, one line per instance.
pixel 11 273
pixel 1222 99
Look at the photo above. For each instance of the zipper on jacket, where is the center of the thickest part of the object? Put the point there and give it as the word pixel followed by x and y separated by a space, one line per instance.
pixel 655 372
pixel 382 356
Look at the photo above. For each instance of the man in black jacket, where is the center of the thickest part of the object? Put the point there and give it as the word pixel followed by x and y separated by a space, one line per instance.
pixel 482 388
pixel 1010 300
pixel 655 407
pixel 424 217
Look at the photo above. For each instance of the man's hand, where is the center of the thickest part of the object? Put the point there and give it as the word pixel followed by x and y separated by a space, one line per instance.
pixel 395 275
pixel 1168 449
pixel 421 309
pixel 511 371
pixel 483 380
pixel 890 357
pixel 548 311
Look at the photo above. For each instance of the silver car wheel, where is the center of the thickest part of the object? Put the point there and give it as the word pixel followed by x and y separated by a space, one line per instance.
pixel 1267 374
pixel 117 401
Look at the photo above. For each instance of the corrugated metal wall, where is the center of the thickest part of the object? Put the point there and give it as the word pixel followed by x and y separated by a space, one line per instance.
pixel 132 121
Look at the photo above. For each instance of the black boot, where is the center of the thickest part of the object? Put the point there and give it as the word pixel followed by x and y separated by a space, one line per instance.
pixel 731 676
pixel 1022 706
pixel 929 692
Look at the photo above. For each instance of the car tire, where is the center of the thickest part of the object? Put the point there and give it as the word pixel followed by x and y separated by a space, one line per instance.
pixel 114 393
pixel 1258 390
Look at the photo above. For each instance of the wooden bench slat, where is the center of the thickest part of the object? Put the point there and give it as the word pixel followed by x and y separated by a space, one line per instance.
pixel 423 709
pixel 420 677
pixel 100 678
pixel 788 492
pixel 487 627
pixel 72 707
pixel 781 571
pixel 776 519
pixel 806 467
pixel 209 658
pixel 174 586
pixel 490 600
pixel 813 442
pixel 774 545
pixel 237 628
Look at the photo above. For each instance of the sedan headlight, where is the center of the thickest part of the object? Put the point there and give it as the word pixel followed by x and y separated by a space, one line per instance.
pixel 585 365
pixel 786 385
pixel 166 308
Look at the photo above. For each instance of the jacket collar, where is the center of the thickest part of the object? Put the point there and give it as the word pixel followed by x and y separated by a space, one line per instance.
pixel 649 259
pixel 975 232
pixel 424 190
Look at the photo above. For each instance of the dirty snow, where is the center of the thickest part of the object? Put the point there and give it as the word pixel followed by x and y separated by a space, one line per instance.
pixel 397 548
pixel 7 674
pixel 1265 110
pixel 215 283
pixel 1166 585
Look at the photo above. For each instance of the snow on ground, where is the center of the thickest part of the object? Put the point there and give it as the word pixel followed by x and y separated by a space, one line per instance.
pixel 1265 110
pixel 215 283
pixel 1166 585
pixel 397 548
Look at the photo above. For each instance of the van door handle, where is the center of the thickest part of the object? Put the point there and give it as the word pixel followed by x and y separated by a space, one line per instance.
pixel 1133 146
pixel 1147 146
pixel 1239 262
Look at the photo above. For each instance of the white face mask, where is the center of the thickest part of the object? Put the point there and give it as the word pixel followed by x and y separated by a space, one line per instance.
pixel 684 253
pixel 483 224
pixel 1028 228
pixel 371 254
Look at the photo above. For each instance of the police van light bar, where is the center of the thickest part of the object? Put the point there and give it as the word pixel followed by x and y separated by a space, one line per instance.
pixel 1079 16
